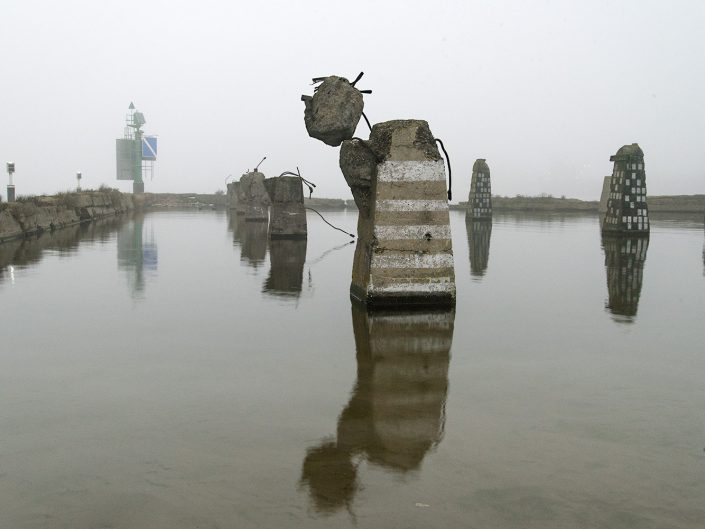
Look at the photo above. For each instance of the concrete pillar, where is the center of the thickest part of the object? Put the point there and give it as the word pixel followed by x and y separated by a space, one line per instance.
pixel 137 188
pixel 627 211
pixel 10 193
pixel 624 262
pixel 604 196
pixel 480 196
pixel 404 253
pixel 288 215
pixel 255 198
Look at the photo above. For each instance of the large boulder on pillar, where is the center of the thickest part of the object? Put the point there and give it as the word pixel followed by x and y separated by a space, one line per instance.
pixel 332 114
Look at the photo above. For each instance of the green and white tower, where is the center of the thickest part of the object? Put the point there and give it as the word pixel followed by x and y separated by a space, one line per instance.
pixel 136 152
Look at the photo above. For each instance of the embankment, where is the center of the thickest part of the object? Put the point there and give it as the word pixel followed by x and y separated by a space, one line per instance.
pixel 35 215
pixel 661 204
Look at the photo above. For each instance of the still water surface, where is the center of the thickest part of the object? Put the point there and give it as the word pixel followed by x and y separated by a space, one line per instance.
pixel 175 370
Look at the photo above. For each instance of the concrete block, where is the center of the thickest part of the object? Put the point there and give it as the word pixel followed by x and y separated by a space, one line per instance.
pixel 332 114
pixel 255 197
pixel 480 196
pixel 288 215
pixel 404 253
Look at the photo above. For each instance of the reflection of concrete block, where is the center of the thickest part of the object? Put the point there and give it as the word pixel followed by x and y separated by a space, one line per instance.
pixel 332 114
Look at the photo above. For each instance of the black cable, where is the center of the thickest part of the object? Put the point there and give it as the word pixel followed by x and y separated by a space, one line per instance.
pixel 329 224
pixel 450 181
pixel 367 121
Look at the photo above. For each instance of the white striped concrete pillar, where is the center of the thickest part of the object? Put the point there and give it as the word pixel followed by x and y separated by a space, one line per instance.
pixel 404 255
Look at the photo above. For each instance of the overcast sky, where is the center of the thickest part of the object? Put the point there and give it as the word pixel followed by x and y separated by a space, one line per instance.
pixel 544 90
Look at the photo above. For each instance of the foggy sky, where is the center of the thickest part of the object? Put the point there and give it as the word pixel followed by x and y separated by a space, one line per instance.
pixel 546 91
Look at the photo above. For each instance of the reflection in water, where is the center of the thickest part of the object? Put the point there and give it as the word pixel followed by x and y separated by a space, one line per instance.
pixel 624 261
pixel 235 225
pixel 23 253
pixel 254 242
pixel 396 412
pixel 286 273
pixel 479 233
pixel 135 256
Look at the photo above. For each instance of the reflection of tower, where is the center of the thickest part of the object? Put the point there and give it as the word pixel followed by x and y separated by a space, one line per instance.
pixel 254 242
pixel 624 261
pixel 480 197
pixel 627 211
pixel 286 273
pixel 135 256
pixel 479 234
pixel 396 412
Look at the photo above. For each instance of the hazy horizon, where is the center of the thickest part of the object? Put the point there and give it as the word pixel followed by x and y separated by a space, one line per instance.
pixel 545 91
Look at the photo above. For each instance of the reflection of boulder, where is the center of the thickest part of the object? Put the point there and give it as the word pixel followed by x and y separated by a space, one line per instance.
pixel 624 261
pixel 135 256
pixel 479 234
pixel 286 273
pixel 254 243
pixel 396 412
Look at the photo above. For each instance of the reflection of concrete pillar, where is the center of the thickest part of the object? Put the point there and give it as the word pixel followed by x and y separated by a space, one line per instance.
pixel 627 211
pixel 404 253
pixel 256 200
pixel 624 263
pixel 479 234
pixel 288 216
pixel 396 413
pixel 286 272
pixel 480 196
pixel 254 243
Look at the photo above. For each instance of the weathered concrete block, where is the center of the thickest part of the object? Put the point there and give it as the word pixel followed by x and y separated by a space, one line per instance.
pixel 332 114
pixel 359 166
pixel 288 215
pixel 255 197
pixel 404 253
pixel 480 196
pixel 627 211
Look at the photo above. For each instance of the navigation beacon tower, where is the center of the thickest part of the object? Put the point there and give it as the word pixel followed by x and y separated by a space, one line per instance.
pixel 136 153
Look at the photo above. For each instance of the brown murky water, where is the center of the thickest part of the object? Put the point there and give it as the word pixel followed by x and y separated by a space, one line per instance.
pixel 177 371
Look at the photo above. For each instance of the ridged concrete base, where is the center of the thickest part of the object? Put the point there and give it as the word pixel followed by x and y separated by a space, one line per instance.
pixel 404 254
